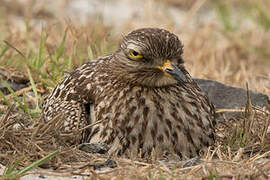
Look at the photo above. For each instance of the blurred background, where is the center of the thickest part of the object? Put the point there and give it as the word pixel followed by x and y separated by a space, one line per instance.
pixel 41 40
pixel 227 41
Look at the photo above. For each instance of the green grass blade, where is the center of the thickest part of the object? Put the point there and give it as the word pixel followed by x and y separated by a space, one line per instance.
pixel 263 14
pixel 37 163
pixel 34 87
pixel 69 63
pixel 17 99
pixel 61 48
pixel 90 53
pixel 2 95
pixel 224 13
pixel 11 167
pixel 38 61
pixel 3 51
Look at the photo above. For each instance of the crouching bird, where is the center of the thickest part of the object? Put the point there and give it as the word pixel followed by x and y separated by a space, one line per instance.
pixel 143 95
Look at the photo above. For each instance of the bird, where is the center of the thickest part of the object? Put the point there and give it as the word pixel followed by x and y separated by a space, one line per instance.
pixel 141 97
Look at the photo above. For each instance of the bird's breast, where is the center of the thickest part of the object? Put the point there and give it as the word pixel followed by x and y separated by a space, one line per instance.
pixel 147 118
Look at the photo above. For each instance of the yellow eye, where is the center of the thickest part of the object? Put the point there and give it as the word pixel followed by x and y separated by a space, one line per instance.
pixel 134 54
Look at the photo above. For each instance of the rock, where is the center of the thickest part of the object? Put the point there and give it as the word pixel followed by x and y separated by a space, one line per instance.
pixel 228 97
pixel 14 85
pixel 15 79
pixel 100 148
pixel 108 163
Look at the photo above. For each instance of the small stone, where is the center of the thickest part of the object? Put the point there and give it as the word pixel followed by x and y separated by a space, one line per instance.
pixel 108 163
pixel 100 148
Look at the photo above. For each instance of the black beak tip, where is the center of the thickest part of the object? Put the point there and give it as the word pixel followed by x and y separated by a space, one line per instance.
pixel 177 74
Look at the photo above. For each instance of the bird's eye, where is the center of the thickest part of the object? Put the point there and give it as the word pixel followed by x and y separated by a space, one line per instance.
pixel 134 54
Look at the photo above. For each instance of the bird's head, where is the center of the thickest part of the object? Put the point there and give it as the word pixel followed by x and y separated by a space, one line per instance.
pixel 151 57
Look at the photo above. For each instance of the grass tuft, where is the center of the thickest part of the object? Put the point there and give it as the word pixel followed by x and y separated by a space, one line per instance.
pixel 10 172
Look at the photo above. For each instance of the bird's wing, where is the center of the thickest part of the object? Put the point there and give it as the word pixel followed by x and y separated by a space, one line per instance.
pixel 73 97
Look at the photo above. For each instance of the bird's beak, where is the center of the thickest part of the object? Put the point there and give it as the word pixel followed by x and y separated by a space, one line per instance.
pixel 173 71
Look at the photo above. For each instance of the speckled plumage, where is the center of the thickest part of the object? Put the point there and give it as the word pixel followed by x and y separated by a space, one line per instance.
pixel 143 108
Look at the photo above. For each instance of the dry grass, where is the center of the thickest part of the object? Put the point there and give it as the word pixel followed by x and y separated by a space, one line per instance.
pixel 234 57
pixel 241 151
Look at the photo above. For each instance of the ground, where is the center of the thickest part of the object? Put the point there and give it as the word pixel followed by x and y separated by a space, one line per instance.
pixel 40 41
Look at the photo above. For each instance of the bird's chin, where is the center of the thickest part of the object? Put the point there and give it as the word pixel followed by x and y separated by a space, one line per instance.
pixel 149 77
pixel 157 82
pixel 164 81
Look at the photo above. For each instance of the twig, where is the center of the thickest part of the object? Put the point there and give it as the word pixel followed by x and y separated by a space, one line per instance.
pixel 4 119
pixel 19 92
pixel 262 111
pixel 90 125
pixel 191 167
pixel 240 110
pixel 45 129
pixel 165 168
pixel 261 172
pixel 265 130
pixel 195 169
pixel 8 124
pixel 96 175
pixel 249 114
pixel 135 162
pixel 258 156
pixel 229 110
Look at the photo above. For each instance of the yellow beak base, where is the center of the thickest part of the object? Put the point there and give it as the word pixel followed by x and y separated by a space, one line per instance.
pixel 173 71
pixel 167 65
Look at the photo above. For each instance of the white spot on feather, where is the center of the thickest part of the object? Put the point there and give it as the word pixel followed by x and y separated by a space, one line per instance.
pixel 62 86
